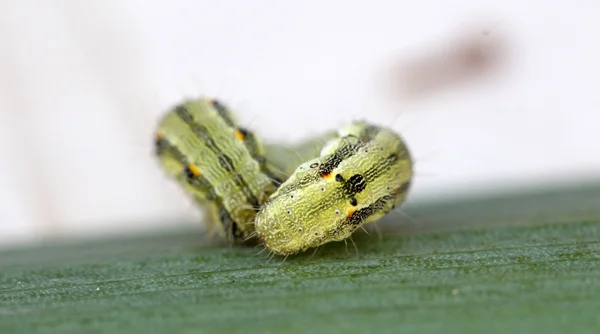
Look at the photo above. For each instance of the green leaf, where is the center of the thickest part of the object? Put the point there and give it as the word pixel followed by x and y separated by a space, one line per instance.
pixel 527 263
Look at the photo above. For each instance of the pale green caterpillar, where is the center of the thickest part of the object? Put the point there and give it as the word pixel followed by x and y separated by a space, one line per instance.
pixel 221 164
pixel 359 177
pixel 363 172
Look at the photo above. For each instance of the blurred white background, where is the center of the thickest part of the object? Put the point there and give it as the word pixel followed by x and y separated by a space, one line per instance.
pixel 84 82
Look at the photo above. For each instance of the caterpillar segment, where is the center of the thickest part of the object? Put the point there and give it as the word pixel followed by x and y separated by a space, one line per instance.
pixel 359 177
pixel 219 163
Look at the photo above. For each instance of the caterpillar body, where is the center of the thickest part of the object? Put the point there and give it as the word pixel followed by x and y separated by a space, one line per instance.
pixel 361 172
pixel 287 157
pixel 359 177
pixel 219 163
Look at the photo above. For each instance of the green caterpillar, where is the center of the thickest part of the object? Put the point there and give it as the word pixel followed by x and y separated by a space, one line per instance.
pixel 362 172
pixel 359 177
pixel 221 164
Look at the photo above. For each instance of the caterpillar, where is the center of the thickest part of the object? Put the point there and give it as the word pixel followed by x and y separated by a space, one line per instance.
pixel 271 191
pixel 220 164
pixel 359 177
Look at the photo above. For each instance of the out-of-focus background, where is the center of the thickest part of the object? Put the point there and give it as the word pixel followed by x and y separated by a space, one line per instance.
pixel 83 83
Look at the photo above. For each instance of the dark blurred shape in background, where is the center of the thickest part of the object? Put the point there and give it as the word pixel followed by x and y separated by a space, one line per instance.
pixel 476 53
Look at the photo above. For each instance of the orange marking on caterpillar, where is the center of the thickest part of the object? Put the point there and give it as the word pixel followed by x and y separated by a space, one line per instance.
pixel 194 169
pixel 327 176
pixel 239 135
pixel 350 212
